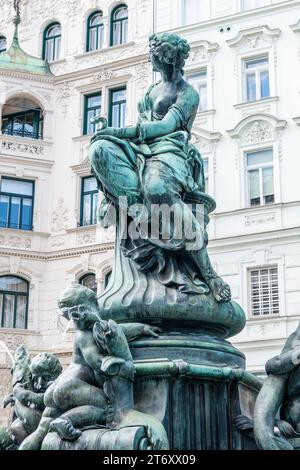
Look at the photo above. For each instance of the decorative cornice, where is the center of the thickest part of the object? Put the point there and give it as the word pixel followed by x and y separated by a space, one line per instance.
pixel 84 168
pixel 252 36
pixel 207 135
pixel 27 76
pixel 67 253
pixel 276 124
pixel 38 162
pixel 297 120
pixel 202 51
pixel 296 27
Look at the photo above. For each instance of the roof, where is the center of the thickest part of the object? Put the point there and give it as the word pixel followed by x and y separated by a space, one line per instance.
pixel 15 58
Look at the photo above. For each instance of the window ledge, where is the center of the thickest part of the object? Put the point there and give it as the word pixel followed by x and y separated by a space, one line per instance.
pixel 258 209
pixel 20 231
pixel 26 140
pixel 105 49
pixel 57 62
pixel 250 104
pixel 208 112
pixel 82 228
pixel 269 317
pixel 17 331
pixel 297 120
pixel 82 138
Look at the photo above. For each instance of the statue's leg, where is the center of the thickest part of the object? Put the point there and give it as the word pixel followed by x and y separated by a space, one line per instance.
pixel 18 431
pixel 76 392
pixel 178 228
pixel 6 439
pixel 219 288
pixel 160 188
pixel 35 440
pixel 115 170
pixel 69 424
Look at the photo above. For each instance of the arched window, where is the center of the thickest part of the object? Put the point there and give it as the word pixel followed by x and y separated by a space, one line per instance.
pixel 95 32
pixel 119 25
pixel 52 42
pixel 89 280
pixel 22 117
pixel 13 302
pixel 3 44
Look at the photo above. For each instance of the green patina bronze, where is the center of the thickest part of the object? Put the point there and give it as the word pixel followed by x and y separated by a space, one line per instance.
pixel 97 388
pixel 141 169
pixel 280 393
pixel 151 367
pixel 15 58
pixel 30 380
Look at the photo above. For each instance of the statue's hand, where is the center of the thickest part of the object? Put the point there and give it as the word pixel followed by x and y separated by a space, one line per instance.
pixel 152 331
pixel 9 400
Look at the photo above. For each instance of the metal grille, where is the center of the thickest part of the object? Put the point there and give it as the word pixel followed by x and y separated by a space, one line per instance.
pixel 264 291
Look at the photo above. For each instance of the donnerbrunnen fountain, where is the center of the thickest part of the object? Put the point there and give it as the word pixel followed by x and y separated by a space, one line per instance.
pixel 152 368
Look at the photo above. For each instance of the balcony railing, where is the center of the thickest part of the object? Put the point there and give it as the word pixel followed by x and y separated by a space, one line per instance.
pixel 22 133
pixel 14 226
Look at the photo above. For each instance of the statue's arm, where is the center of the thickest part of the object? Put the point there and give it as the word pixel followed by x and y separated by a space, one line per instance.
pixel 9 400
pixel 143 131
pixel 27 397
pixel 92 356
pixel 134 331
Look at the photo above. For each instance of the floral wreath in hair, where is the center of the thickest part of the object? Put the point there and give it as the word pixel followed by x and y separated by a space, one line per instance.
pixel 170 49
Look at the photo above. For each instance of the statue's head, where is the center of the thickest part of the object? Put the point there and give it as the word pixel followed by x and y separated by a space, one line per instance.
pixel 45 368
pixel 168 49
pixel 78 303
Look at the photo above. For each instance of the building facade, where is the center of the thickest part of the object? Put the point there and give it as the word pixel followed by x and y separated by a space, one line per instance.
pixel 245 63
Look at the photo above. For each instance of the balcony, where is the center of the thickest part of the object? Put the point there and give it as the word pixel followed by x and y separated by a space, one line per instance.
pixel 22 132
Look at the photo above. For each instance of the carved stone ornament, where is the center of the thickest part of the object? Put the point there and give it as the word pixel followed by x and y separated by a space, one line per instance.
pixel 14 241
pixel 59 217
pixel 254 38
pixel 17 147
pixel 260 131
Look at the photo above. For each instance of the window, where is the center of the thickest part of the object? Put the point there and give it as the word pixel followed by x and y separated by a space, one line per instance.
pixel 199 82
pixel 89 201
pixel 251 4
pixel 119 25
pixel 52 42
pixel 89 281
pixel 260 177
pixel 13 302
pixel 107 278
pixel 191 11
pixel 264 291
pixel 3 44
pixel 24 124
pixel 257 80
pixel 95 31
pixel 92 109
pixel 117 111
pixel 16 203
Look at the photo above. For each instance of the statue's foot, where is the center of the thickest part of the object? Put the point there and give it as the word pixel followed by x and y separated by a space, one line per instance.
pixel 220 290
pixel 65 429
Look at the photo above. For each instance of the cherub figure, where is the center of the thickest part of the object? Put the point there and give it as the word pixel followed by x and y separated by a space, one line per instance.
pixel 77 398
pixel 30 380
pixel 280 393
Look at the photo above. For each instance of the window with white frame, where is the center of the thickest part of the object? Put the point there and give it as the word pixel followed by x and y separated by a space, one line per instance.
pixel 199 81
pixel 252 4
pixel 264 291
pixel 191 11
pixel 256 78
pixel 260 177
